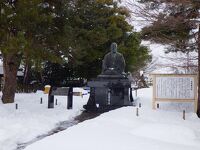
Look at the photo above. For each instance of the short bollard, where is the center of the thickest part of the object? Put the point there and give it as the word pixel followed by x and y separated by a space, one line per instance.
pixel 183 114
pixel 158 106
pixel 41 100
pixel 16 106
pixel 140 105
pixel 137 112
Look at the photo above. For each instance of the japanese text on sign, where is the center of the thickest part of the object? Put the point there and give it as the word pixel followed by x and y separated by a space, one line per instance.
pixel 175 87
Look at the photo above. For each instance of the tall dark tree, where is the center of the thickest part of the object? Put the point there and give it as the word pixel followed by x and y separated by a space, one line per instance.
pixel 77 33
pixel 29 31
pixel 96 25
pixel 136 56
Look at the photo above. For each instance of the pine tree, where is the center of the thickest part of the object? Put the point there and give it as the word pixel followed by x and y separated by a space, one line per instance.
pixel 136 56
pixel 29 31
pixel 96 25
pixel 176 25
pixel 74 33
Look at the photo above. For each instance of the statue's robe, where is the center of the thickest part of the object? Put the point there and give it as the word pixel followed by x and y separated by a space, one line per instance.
pixel 113 63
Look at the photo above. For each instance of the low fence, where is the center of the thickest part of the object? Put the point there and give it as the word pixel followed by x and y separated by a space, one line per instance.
pixel 21 88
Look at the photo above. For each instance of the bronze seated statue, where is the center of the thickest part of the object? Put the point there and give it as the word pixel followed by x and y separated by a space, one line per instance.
pixel 111 89
pixel 113 63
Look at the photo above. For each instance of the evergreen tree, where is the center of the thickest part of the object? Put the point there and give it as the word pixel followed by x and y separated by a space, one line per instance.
pixel 76 34
pixel 29 30
pixel 96 25
pixel 136 56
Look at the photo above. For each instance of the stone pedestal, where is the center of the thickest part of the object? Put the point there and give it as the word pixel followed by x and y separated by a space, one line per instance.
pixel 109 92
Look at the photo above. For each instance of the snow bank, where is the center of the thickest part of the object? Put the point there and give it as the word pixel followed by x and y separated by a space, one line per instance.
pixel 32 118
pixel 121 129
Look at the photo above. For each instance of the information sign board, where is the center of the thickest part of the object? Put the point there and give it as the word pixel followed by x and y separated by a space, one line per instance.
pixel 174 87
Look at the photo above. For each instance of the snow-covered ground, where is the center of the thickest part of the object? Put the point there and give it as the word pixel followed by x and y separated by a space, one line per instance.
pixel 32 118
pixel 121 129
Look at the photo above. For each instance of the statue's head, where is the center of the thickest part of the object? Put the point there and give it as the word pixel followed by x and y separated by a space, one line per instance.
pixel 113 47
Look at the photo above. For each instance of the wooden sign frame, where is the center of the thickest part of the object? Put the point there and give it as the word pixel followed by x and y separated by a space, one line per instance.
pixel 155 99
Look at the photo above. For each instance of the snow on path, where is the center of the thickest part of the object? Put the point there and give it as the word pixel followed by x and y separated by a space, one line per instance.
pixel 121 129
pixel 32 118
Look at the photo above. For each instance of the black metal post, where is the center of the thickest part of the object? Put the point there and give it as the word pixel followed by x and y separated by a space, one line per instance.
pixel 50 99
pixel 56 101
pixel 70 98
pixel 137 112
pixel 183 114
pixel 131 95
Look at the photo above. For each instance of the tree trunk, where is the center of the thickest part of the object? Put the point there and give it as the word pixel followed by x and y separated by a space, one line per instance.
pixel 11 64
pixel 26 77
pixel 198 107
pixel 26 74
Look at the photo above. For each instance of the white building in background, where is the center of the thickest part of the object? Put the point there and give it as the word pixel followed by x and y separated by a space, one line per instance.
pixel 20 74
